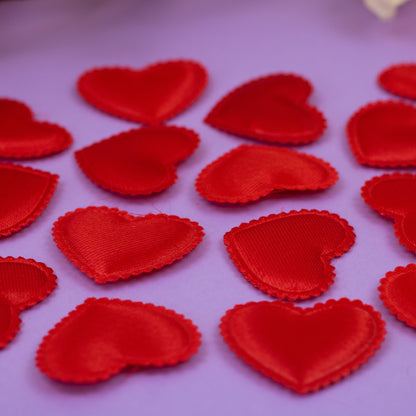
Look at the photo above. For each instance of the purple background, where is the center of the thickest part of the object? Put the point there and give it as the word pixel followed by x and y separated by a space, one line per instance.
pixel 340 47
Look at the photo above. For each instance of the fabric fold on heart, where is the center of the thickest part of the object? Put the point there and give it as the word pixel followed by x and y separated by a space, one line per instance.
pixel 109 245
pixel 399 80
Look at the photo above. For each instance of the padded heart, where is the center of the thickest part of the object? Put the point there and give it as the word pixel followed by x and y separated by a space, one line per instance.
pixel 23 137
pixel 304 349
pixel 248 173
pixel 394 196
pixel 108 244
pixel 150 95
pixel 399 80
pixel 24 194
pixel 383 134
pixel 138 162
pixel 23 283
pixel 103 336
pixel 288 255
pixel 271 108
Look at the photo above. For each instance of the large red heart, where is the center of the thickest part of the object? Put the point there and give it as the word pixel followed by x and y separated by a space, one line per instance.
pixel 103 336
pixel 394 196
pixel 23 283
pixel 248 173
pixel 304 349
pixel 138 162
pixel 398 293
pixel 288 255
pixel 23 137
pixel 399 80
pixel 150 95
pixel 383 134
pixel 108 244
pixel 271 108
pixel 24 194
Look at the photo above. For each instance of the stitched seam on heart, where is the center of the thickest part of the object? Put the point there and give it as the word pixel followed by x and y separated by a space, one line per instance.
pixel 14 325
pixel 391 88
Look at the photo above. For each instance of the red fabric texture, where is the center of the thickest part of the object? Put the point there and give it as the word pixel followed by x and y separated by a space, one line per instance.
pixel 248 173
pixel 383 134
pixel 304 349
pixel 108 244
pixel 23 283
pixel 399 80
pixel 150 95
pixel 288 255
pixel 272 108
pixel 394 196
pixel 23 137
pixel 398 293
pixel 24 194
pixel 101 337
pixel 140 161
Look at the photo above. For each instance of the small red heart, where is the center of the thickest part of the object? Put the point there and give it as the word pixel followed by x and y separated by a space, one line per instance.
pixel 23 283
pixel 271 108
pixel 150 95
pixel 394 196
pixel 103 336
pixel 288 255
pixel 23 137
pixel 108 244
pixel 398 293
pixel 24 194
pixel 248 173
pixel 304 349
pixel 140 161
pixel 383 134
pixel 399 80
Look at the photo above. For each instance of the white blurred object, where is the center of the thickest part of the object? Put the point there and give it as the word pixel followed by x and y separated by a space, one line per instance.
pixel 385 9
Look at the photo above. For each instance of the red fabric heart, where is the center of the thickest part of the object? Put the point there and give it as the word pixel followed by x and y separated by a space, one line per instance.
pixel 23 137
pixel 383 134
pixel 140 161
pixel 398 293
pixel 108 244
pixel 288 255
pixel 394 196
pixel 24 194
pixel 103 336
pixel 271 108
pixel 304 349
pixel 23 283
pixel 248 173
pixel 150 95
pixel 399 80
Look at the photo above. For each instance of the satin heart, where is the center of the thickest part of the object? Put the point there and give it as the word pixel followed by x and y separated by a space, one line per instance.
pixel 23 137
pixel 383 134
pixel 24 194
pixel 108 244
pixel 304 349
pixel 23 283
pixel 248 173
pixel 151 95
pixel 271 108
pixel 103 336
pixel 138 162
pixel 399 80
pixel 288 255
pixel 394 196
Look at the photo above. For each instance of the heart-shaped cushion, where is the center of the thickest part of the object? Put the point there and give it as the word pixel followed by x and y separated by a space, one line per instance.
pixel 271 108
pixel 140 161
pixel 23 137
pixel 248 173
pixel 103 336
pixel 383 134
pixel 399 80
pixel 24 194
pixel 150 95
pixel 108 244
pixel 288 255
pixel 23 283
pixel 304 349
